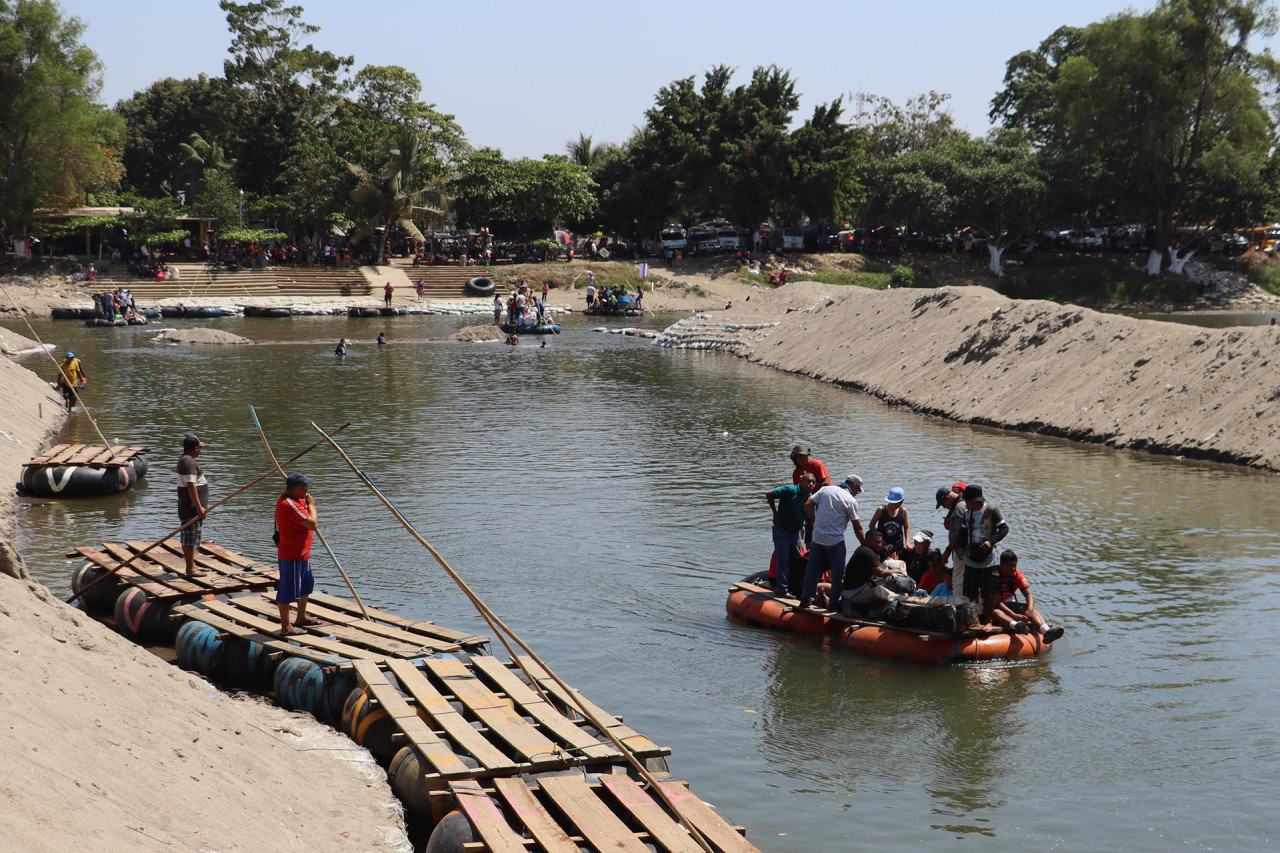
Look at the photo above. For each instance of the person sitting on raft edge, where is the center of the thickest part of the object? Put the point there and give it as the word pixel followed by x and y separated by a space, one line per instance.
pixel 1020 617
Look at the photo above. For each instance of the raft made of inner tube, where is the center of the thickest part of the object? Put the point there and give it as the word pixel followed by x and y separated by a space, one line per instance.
pixel 104 321
pixel 80 481
pixel 523 329
pixel 138 320
pixel 755 605
pixel 365 311
pixel 481 285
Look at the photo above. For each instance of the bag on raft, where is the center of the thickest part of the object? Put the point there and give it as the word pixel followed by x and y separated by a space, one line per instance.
pixel 924 616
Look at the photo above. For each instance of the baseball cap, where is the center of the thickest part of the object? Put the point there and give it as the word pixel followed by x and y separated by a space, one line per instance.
pixel 922 536
pixel 958 487
pixel 940 496
pixel 297 478
pixel 191 441
pixel 799 450
pixel 853 480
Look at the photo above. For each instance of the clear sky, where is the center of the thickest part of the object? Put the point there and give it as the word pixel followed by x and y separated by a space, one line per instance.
pixel 526 77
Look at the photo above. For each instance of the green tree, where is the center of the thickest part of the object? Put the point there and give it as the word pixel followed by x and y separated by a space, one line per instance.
pixel 827 155
pixel 583 150
pixel 56 144
pixel 1148 97
pixel 288 85
pixel 488 188
pixel 406 186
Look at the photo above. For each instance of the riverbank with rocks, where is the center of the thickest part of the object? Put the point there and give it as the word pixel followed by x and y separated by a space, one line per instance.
pixel 970 355
pixel 109 748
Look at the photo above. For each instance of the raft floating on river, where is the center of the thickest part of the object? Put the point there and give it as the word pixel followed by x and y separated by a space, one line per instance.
pixel 83 471
pixel 527 329
pixel 756 605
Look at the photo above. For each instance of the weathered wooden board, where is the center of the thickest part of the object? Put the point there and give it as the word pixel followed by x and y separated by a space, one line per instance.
pixel 594 820
pixel 637 743
pixel 652 816
pixel 488 819
pixel 267 626
pixel 533 705
pixel 436 751
pixel 536 819
pixel 87 455
pixel 699 815
pixel 351 635
pixel 429 628
pixel 456 726
pixel 275 643
pixel 494 712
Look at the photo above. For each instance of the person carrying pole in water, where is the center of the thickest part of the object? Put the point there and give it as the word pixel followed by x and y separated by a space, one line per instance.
pixel 71 376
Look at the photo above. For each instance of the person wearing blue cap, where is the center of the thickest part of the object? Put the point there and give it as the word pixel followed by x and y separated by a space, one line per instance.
pixel 891 520
pixel 296 523
pixel 71 375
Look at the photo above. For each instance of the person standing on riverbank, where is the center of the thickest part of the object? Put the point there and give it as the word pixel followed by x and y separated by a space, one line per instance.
pixel 71 376
pixel 296 522
pixel 193 501
pixel 386 294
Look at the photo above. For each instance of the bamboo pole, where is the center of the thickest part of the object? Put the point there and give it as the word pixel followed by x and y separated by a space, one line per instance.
pixel 74 392
pixel 192 521
pixel 319 535
pixel 500 628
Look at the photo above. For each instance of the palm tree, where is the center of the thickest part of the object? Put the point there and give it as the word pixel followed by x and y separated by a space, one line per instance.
pixel 403 186
pixel 201 155
pixel 583 152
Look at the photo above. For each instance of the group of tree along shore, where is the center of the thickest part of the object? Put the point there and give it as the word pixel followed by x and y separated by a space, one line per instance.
pixel 1157 118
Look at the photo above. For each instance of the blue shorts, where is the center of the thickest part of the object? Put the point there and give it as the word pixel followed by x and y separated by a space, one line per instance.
pixel 296 581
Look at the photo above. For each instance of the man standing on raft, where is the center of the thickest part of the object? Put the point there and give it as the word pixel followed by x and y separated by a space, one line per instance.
pixel 193 501
pixel 296 522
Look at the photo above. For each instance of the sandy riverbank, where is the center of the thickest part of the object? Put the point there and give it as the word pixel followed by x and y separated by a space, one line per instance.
pixel 972 355
pixel 108 748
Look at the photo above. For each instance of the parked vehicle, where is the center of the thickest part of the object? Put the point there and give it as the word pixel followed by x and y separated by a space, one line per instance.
pixel 674 237
pixel 729 239
pixel 1229 243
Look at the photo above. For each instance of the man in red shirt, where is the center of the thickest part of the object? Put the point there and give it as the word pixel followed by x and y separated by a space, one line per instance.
pixel 296 520
pixel 1017 616
pixel 804 462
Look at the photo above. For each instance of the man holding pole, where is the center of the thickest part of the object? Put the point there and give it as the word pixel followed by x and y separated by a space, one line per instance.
pixel 193 500
pixel 296 521
pixel 71 376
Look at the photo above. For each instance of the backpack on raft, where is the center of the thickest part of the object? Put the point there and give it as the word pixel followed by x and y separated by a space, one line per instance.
pixel 945 616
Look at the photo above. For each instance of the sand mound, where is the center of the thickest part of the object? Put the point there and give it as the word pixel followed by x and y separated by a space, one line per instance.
pixel 478 333
pixel 12 343
pixel 972 355
pixel 201 336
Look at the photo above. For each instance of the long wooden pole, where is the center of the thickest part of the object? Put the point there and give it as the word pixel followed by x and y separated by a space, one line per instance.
pixel 75 392
pixel 500 628
pixel 319 535
pixel 192 521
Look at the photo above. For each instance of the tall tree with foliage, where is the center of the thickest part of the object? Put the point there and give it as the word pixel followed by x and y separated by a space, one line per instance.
pixel 1150 96
pixel 826 154
pixel 56 144
pixel 406 186
pixel 289 85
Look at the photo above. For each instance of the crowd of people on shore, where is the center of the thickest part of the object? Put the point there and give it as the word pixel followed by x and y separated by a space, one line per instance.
pixel 810 518
pixel 611 299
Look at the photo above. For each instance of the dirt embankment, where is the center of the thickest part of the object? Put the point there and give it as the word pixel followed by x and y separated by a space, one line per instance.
pixel 974 356
pixel 108 748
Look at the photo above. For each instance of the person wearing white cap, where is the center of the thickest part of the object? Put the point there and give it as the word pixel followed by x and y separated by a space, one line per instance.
pixel 917 554
pixel 831 509
pixel 891 520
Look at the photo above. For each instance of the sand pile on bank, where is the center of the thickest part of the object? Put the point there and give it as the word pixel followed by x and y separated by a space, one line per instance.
pixel 972 355
pixel 12 343
pixel 215 337
pixel 108 748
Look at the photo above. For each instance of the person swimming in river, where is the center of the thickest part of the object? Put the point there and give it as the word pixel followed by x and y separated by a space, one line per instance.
pixel 382 338
pixel 341 348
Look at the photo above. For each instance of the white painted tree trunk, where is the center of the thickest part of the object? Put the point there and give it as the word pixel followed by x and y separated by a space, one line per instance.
pixel 1154 261
pixel 1178 265
pixel 996 252
pixel 19 247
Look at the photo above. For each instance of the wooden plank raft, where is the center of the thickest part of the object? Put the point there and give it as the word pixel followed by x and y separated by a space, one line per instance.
pixel 558 814
pixel 225 572
pixel 86 455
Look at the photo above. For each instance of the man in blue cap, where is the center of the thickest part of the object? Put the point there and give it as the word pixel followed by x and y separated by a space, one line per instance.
pixel 71 375
pixel 296 521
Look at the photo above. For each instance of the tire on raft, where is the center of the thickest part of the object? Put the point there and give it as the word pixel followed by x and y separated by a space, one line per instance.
pixel 409 777
pixel 481 285
pixel 370 725
pixel 275 312
pixel 103 596
pixel 64 313
pixel 356 311
pixel 137 320
pixel 172 311
pixel 303 685
pixel 248 664
pixel 890 644
pixel 200 649
pixel 79 481
pixel 451 834
pixel 522 329
pixel 141 618
pixel 763 610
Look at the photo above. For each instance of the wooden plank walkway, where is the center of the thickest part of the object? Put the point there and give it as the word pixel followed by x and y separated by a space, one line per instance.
pixel 154 572
pixel 562 814
pixel 87 455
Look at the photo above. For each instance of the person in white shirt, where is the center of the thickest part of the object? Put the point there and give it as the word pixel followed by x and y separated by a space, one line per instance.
pixel 831 509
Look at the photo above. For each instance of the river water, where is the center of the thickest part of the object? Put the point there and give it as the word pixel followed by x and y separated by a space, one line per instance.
pixel 602 493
